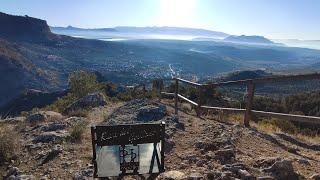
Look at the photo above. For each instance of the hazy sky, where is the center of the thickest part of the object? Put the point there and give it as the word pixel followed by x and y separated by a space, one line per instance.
pixel 271 18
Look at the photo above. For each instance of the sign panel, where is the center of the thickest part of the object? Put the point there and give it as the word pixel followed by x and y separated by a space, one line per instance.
pixel 128 149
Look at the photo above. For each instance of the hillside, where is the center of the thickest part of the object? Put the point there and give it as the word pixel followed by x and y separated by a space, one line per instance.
pixel 195 148
pixel 55 141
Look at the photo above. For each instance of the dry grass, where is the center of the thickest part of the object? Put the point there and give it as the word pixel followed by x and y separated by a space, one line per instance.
pixel 277 126
pixel 9 143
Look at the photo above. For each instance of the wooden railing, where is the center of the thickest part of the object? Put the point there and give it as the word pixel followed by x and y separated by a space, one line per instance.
pixel 248 111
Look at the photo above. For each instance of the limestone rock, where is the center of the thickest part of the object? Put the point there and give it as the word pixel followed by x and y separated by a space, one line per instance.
pixel 195 176
pixel 89 101
pixel 282 169
pixel 172 175
pixel 151 113
pixel 315 177
pixel 225 155
pixel 48 137
pixel 36 118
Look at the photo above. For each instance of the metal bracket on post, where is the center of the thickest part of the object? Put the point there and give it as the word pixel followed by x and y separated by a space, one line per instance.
pixel 248 113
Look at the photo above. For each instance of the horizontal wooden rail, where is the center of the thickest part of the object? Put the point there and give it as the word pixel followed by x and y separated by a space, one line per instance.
pixel 188 100
pixel 290 117
pixel 167 93
pixel 250 83
pixel 232 110
pixel 189 82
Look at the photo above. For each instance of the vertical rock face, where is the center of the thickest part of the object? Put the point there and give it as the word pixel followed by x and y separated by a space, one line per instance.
pixel 24 28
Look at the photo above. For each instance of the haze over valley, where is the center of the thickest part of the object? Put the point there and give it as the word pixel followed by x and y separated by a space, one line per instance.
pixel 131 55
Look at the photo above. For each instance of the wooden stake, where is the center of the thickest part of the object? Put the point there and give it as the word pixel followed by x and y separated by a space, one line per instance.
pixel 248 115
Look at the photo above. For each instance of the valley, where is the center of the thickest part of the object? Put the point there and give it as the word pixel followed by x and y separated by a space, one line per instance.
pixel 45 62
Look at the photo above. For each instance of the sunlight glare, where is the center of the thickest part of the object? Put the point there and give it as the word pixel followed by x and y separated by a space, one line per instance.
pixel 177 12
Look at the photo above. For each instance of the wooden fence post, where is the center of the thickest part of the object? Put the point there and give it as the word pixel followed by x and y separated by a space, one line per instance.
pixel 176 96
pixel 248 114
pixel 199 101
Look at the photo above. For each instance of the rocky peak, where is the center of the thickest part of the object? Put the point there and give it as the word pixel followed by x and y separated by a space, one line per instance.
pixel 24 28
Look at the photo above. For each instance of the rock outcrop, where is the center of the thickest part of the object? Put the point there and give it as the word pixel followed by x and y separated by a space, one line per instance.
pixel 89 101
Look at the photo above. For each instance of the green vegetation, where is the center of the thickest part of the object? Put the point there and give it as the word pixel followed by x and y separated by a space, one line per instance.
pixel 77 131
pixel 81 83
pixel 306 103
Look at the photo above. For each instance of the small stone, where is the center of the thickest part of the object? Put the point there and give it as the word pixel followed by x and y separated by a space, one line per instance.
pixel 283 169
pixel 304 161
pixel 265 178
pixel 244 174
pixel 173 175
pixel 195 176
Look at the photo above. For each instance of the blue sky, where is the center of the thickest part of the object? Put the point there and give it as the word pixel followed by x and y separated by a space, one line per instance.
pixel 276 19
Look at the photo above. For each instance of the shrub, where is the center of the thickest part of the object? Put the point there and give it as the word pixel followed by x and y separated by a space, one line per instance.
pixel 79 113
pixel 8 144
pixel 61 103
pixel 77 131
pixel 82 83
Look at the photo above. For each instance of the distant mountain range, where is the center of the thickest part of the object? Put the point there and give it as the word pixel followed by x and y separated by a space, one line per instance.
pixel 199 34
pixel 150 30
pixel 248 39
pixel 71 28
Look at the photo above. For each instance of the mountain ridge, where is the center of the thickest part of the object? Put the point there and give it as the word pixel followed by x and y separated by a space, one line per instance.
pixel 150 30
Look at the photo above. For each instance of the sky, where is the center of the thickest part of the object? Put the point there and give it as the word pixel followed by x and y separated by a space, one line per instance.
pixel 274 19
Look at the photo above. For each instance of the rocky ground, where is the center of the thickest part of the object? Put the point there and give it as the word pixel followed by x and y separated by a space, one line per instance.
pixel 196 148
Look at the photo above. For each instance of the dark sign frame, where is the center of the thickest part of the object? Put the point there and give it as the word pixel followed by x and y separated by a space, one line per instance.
pixel 130 134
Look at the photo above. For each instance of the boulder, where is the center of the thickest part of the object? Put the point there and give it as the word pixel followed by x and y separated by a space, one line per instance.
pixel 244 174
pixel 52 154
pixel 36 118
pixel 52 116
pixel 315 177
pixel 71 121
pixel 89 101
pixel 48 137
pixel 53 127
pixel 169 145
pixel 12 171
pixel 151 113
pixel 225 155
pixel 42 116
pixel 282 169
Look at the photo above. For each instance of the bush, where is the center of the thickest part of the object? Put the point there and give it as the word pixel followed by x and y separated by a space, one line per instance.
pixel 61 103
pixel 79 113
pixel 77 131
pixel 8 144
pixel 82 83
